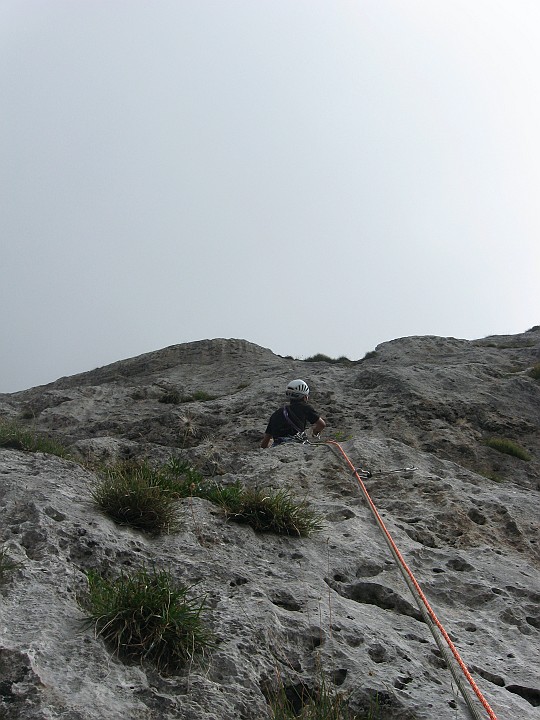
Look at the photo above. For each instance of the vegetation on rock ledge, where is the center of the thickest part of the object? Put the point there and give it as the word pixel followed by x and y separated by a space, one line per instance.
pixel 14 436
pixel 135 494
pixel 508 447
pixel 147 616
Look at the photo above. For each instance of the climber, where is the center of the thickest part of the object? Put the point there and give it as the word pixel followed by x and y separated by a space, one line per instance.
pixel 289 421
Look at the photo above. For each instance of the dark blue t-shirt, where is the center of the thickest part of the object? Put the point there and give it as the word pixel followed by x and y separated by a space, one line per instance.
pixel 300 413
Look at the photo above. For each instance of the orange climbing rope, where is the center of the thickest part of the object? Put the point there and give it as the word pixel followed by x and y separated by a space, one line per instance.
pixel 418 590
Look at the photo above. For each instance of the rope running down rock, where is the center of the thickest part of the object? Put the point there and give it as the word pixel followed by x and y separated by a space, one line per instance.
pixel 427 612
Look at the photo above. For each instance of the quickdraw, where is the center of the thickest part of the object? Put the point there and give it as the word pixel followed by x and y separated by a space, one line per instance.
pixel 366 474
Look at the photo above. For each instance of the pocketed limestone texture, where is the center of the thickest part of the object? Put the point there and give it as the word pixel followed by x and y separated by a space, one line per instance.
pixel 466 521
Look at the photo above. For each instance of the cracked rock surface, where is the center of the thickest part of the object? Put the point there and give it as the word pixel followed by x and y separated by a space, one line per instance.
pixel 465 520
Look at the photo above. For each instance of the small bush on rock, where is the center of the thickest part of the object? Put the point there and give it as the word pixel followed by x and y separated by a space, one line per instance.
pixel 146 616
pixel 15 437
pixel 274 511
pixel 229 497
pixel 171 397
pixel 131 494
pixel 321 357
pixel 319 705
pixel 264 510
pixel 198 396
pixel 180 479
pixel 508 447
pixel 135 494
pixel 298 702
pixel 341 436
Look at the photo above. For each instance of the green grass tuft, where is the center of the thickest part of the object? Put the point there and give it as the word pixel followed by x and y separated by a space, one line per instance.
pixel 341 436
pixel 320 357
pixel 299 702
pixel 135 494
pixel 508 447
pixel 171 397
pixel 146 616
pixel 131 494
pixel 264 510
pixel 494 477
pixel 272 511
pixel 198 396
pixel 16 437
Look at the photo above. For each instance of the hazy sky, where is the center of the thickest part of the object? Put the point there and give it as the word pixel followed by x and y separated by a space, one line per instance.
pixel 309 175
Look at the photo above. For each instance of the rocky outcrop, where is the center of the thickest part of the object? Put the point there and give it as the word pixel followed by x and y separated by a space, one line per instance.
pixel 466 521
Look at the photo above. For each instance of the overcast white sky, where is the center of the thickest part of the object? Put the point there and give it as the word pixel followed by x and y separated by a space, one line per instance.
pixel 309 175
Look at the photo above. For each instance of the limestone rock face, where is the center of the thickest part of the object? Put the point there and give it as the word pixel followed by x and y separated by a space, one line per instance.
pixel 465 521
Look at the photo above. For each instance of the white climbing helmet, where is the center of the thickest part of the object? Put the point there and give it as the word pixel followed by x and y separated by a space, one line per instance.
pixel 297 389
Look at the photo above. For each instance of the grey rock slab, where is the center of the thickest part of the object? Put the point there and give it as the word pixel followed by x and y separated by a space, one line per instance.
pixel 465 521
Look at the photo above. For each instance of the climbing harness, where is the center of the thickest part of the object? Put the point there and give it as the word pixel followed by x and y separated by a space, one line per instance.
pixel 288 415
pixel 300 437
pixel 427 612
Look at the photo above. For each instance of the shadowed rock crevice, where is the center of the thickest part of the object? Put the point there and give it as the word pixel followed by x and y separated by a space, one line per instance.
pixel 20 687
pixel 489 676
pixel 531 695
pixel 286 600
pixel 370 593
